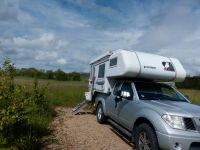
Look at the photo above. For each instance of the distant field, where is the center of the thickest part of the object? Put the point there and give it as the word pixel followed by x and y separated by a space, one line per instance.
pixel 70 93
pixel 67 93
pixel 193 95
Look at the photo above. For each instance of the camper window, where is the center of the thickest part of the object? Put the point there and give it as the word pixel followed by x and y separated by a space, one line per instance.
pixel 113 62
pixel 101 71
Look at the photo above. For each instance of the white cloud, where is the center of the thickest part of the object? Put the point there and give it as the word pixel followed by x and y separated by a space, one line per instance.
pixel 8 10
pixel 62 61
pixel 122 39
pixel 44 41
pixel 195 36
pixel 46 55
pixel 50 34
pixel 44 48
pixel 25 18
pixel 70 20
pixel 58 16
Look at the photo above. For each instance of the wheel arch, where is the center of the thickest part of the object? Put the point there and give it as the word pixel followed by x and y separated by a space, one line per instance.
pixel 100 98
pixel 140 121
pixel 144 124
pixel 94 96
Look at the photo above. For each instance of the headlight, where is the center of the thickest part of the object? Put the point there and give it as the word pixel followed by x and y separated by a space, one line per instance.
pixel 175 122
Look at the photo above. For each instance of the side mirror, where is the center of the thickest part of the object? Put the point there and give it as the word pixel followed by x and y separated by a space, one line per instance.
pixel 126 94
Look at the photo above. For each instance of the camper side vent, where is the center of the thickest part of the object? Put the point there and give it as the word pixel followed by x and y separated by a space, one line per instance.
pixel 113 62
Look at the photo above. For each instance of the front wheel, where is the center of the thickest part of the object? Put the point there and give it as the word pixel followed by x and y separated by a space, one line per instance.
pixel 101 118
pixel 145 138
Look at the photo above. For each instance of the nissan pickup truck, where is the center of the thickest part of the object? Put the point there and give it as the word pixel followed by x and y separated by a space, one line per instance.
pixel 155 115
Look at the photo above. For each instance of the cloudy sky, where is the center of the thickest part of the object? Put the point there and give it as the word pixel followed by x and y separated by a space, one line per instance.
pixel 67 34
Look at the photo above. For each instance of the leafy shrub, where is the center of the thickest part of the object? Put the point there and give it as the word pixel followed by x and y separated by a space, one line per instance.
pixel 24 112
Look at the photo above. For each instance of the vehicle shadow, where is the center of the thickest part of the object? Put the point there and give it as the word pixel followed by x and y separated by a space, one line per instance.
pixel 87 112
pixel 122 136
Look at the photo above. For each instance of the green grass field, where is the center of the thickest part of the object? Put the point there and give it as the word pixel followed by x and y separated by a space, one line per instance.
pixel 65 93
pixel 193 95
pixel 70 93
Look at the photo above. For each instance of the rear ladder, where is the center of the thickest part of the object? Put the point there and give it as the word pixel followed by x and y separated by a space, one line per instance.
pixel 79 107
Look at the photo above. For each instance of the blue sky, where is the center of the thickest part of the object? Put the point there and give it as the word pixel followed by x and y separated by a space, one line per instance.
pixel 67 34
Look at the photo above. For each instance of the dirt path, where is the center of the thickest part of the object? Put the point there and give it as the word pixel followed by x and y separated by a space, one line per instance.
pixel 82 132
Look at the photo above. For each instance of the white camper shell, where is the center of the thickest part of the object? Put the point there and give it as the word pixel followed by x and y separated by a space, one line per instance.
pixel 131 64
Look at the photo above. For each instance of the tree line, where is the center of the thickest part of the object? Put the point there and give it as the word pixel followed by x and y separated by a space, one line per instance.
pixel 190 83
pixel 59 74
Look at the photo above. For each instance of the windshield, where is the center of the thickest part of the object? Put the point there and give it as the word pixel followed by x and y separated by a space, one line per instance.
pixel 157 91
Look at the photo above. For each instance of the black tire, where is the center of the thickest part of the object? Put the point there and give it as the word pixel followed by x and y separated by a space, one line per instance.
pixel 145 138
pixel 101 118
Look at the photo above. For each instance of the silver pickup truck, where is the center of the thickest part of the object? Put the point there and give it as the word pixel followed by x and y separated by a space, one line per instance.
pixel 155 115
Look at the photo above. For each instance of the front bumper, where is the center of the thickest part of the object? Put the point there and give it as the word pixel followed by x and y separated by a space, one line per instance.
pixel 179 142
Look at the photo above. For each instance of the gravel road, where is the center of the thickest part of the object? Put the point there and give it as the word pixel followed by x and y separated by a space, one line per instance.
pixel 82 132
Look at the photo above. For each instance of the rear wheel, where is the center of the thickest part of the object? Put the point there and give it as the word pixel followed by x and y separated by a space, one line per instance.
pixel 101 118
pixel 145 138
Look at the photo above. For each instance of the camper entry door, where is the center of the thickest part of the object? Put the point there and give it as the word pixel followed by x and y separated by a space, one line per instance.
pixel 99 77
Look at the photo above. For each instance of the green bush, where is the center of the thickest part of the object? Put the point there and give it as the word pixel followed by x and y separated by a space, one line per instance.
pixel 24 112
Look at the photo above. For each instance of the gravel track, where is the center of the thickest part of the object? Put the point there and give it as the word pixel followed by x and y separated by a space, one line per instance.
pixel 82 132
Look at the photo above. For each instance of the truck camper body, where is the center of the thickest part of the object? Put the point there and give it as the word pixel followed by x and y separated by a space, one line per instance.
pixel 104 70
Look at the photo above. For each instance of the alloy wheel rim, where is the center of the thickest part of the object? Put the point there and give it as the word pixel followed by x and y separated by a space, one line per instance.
pixel 99 113
pixel 144 142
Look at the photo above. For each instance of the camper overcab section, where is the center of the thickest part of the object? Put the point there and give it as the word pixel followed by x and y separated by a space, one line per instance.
pixel 106 69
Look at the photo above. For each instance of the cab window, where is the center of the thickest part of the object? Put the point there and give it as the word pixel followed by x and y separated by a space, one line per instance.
pixel 117 88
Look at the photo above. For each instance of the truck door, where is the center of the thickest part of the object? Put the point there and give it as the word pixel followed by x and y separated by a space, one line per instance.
pixel 126 106
pixel 112 104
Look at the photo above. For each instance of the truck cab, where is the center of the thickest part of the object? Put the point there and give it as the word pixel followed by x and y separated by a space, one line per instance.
pixel 155 114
